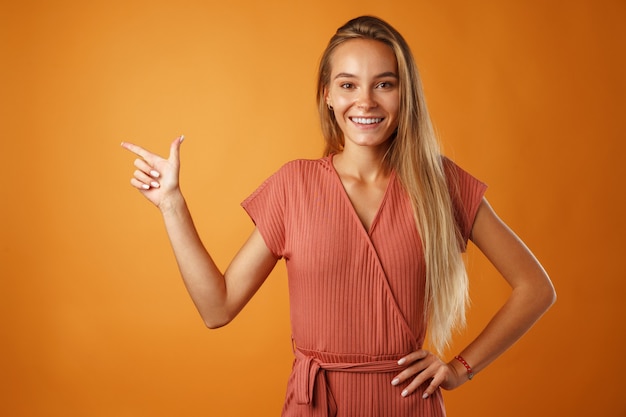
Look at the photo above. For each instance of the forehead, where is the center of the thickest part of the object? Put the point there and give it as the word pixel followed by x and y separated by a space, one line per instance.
pixel 362 55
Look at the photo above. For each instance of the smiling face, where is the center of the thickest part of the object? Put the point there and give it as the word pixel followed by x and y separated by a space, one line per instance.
pixel 364 93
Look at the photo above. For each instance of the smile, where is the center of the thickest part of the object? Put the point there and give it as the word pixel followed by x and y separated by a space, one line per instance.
pixel 366 120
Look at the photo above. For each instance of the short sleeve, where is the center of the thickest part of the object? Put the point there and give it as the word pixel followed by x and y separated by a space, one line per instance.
pixel 467 193
pixel 266 208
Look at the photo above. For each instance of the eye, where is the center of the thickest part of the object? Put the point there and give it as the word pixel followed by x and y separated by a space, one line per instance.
pixel 385 84
pixel 346 85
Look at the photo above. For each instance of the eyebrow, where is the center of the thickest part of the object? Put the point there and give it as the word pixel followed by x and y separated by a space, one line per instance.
pixel 383 75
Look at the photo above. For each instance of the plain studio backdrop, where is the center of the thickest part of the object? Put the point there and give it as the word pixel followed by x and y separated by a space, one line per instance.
pixel 529 96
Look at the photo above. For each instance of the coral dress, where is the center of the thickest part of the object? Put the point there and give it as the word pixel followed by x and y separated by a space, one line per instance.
pixel 356 295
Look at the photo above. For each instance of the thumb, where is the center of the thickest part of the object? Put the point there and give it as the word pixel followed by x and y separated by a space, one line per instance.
pixel 175 149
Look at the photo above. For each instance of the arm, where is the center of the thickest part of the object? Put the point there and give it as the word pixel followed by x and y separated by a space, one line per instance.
pixel 218 297
pixel 531 296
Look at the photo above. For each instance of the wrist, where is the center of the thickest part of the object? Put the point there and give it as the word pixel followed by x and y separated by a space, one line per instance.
pixel 463 367
pixel 172 203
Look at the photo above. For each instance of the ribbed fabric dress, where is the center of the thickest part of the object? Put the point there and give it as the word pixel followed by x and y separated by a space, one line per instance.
pixel 356 295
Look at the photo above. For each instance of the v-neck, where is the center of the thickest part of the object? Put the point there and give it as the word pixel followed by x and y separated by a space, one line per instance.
pixel 353 210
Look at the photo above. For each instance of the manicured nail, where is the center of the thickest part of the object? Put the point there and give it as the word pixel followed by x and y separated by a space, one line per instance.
pixel 155 184
pixel 182 138
pixel 395 381
pixel 401 361
pixel 145 186
pixel 405 393
pixel 155 174
pixel 424 396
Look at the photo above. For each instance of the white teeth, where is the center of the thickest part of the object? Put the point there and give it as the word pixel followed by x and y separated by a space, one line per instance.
pixel 366 121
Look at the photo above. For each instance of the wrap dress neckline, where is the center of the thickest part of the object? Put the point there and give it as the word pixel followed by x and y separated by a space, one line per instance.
pixel 355 215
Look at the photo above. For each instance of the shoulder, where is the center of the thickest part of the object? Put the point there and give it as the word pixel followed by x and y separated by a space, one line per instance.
pixel 290 181
pixel 303 169
pixel 458 178
pixel 296 172
pixel 300 165
pixel 451 168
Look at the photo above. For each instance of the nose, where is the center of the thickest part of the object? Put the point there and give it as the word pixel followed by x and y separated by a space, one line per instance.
pixel 366 99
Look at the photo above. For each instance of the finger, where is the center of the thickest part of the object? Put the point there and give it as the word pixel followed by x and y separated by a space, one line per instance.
pixel 435 383
pixel 412 361
pixel 175 149
pixel 413 356
pixel 415 370
pixel 137 150
pixel 142 165
pixel 419 379
pixel 422 366
pixel 145 179
pixel 139 184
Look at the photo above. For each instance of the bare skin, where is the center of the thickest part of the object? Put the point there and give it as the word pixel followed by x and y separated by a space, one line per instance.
pixel 217 296
pixel 364 96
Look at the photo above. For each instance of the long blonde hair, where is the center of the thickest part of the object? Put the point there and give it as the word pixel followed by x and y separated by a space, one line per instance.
pixel 415 154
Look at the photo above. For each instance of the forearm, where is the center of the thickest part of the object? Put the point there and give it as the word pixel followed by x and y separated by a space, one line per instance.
pixel 523 308
pixel 203 279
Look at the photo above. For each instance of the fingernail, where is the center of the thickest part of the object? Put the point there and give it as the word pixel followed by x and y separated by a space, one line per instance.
pixel 405 393
pixel 155 184
pixel 395 381
pixel 425 396
pixel 155 174
pixel 401 361
pixel 145 186
pixel 182 138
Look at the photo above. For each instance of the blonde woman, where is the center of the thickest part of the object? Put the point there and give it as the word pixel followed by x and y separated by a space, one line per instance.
pixel 372 236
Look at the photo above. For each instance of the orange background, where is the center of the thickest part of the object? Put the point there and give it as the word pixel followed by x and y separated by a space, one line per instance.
pixel 529 96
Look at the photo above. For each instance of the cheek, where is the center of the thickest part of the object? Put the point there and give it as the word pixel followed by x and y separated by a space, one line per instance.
pixel 394 108
pixel 397 112
pixel 340 101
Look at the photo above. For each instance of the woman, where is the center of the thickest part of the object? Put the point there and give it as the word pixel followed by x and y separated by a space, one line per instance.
pixel 372 235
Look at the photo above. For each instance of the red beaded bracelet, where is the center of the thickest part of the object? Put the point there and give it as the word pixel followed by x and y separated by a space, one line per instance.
pixel 470 373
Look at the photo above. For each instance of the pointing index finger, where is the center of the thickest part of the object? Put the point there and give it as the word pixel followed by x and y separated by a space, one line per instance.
pixel 137 150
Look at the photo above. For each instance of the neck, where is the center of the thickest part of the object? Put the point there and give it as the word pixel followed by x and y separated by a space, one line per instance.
pixel 362 163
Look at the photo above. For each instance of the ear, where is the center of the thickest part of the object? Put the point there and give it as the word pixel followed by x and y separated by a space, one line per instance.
pixel 327 97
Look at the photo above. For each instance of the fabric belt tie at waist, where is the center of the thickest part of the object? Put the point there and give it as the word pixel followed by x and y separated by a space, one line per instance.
pixel 311 385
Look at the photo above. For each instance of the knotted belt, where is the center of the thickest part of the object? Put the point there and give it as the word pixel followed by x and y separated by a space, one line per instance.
pixel 311 385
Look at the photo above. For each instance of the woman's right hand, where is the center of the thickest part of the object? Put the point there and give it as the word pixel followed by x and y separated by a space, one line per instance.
pixel 157 178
